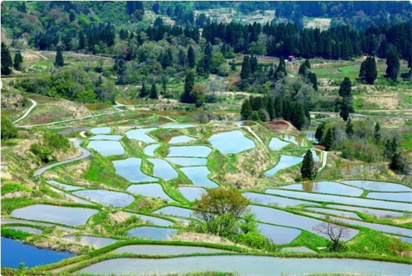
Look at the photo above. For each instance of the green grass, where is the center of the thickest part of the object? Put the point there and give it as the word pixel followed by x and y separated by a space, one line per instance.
pixel 14 187
pixel 10 204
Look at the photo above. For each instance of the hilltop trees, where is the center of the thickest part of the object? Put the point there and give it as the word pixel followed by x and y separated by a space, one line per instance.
pixel 308 166
pixel 368 71
pixel 6 61
pixel 392 61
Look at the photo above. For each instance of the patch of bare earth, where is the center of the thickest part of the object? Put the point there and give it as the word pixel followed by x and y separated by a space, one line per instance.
pixel 282 126
pixel 389 102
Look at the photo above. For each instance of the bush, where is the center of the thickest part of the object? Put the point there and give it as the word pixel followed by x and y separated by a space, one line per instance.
pixel 44 153
pixel 7 129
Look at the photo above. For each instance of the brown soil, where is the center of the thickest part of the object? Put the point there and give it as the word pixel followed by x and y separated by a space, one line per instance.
pixel 319 147
pixel 206 238
pixel 278 125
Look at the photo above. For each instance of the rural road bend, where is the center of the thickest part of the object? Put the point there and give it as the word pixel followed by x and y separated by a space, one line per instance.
pixel 27 112
pixel 76 143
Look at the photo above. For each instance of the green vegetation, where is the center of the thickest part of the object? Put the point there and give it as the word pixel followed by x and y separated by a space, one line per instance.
pixel 8 130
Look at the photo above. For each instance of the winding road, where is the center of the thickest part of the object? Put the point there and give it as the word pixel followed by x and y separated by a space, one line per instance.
pixel 76 143
pixel 27 112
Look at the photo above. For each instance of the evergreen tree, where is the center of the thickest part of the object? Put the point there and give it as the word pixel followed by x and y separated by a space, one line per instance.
pixel 329 140
pixel 6 61
pixel 349 128
pixel 368 70
pixel 377 133
pixel 245 71
pixel 208 58
pixel 153 92
pixel 182 59
pixel 143 91
pixel 304 68
pixel 314 80
pixel 59 58
pixel 164 85
pixel 308 166
pixel 254 65
pixel 271 108
pixel 189 84
pixel 18 60
pixel 246 110
pixel 319 132
pixel 191 57
pixel 344 111
pixel 392 61
pixel 281 69
pixel 345 90
pixel 82 40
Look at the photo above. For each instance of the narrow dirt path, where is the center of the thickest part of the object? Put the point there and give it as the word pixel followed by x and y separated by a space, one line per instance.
pixel 254 134
pixel 27 112
pixel 324 159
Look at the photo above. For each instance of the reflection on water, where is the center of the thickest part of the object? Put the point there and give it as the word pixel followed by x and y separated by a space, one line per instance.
pixel 354 169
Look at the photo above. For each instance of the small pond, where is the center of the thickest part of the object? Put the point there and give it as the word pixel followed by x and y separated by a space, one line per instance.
pixel 378 213
pixel 189 151
pixel 186 162
pixel 177 125
pixel 379 227
pixel 198 176
pixel 175 211
pixel 406 197
pixel 149 150
pixel 106 137
pixel 151 220
pixel 279 234
pixel 97 242
pixel 18 252
pixel 58 214
pixel 163 169
pixel 325 187
pixel 130 170
pixel 181 139
pixel 279 217
pixel 343 200
pixel 246 265
pixel 65 187
pixel 275 200
pixel 115 199
pixel 100 130
pixel 276 143
pixel 333 212
pixel 310 135
pixel 107 148
pixel 156 250
pixel 378 186
pixel 27 229
pixel 285 161
pixel 191 193
pixel 152 233
pixel 150 190
pixel 141 135
pixel 294 139
pixel 298 249
pixel 231 142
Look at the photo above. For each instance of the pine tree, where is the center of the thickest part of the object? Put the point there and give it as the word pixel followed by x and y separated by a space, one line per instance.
pixel 6 61
pixel 191 57
pixel 182 59
pixel 208 58
pixel 18 60
pixel 329 140
pixel 254 65
pixel 319 132
pixel 189 84
pixel 246 110
pixel 314 80
pixel 349 128
pixel 308 166
pixel 392 61
pixel 368 70
pixel 376 133
pixel 153 92
pixel 59 58
pixel 271 108
pixel 143 91
pixel 345 90
pixel 82 40
pixel 281 69
pixel 344 111
pixel 245 71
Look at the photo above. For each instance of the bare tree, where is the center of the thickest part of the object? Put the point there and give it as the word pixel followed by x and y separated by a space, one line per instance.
pixel 333 231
